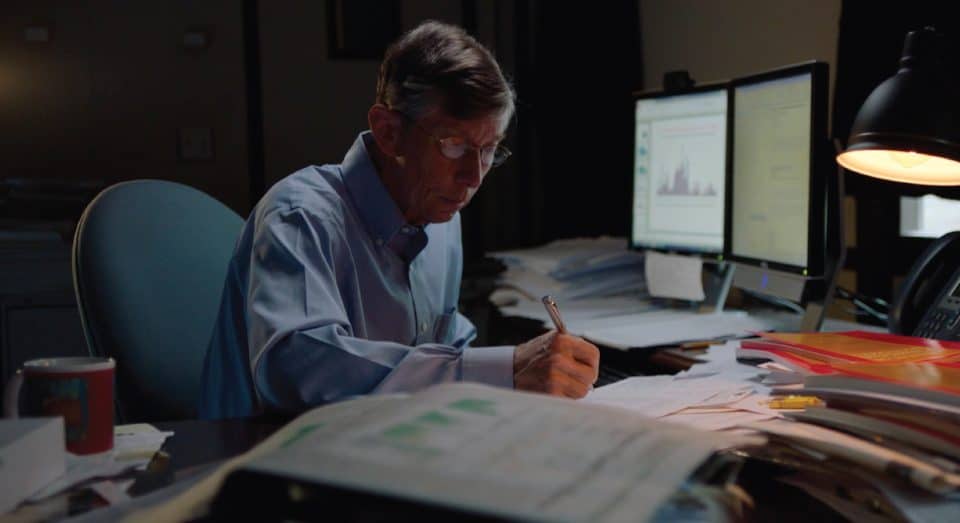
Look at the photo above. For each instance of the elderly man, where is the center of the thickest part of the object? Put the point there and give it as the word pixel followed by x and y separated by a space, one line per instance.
pixel 346 277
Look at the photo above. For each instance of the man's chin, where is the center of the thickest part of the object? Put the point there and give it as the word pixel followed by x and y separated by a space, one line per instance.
pixel 442 216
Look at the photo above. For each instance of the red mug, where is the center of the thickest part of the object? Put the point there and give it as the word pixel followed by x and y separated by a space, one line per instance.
pixel 78 389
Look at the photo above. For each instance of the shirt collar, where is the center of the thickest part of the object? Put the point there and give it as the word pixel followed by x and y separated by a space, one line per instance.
pixel 380 214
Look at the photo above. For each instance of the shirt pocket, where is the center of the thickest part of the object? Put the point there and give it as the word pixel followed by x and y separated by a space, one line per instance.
pixel 442 326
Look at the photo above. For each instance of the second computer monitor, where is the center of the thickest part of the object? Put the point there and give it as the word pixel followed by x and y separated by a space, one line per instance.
pixel 777 185
pixel 678 170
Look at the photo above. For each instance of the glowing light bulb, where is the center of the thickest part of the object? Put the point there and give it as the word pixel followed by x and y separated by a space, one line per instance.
pixel 908 159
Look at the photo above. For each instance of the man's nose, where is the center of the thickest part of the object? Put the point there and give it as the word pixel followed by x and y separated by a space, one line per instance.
pixel 472 170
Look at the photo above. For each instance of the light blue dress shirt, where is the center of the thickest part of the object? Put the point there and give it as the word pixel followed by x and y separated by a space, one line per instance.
pixel 331 294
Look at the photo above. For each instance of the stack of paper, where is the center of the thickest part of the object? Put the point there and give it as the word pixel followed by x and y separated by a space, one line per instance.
pixel 716 395
pixel 672 326
pixel 32 455
pixel 886 406
pixel 574 269
pixel 134 445
pixel 600 287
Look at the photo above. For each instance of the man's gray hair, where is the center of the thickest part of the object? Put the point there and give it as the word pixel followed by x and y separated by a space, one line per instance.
pixel 437 65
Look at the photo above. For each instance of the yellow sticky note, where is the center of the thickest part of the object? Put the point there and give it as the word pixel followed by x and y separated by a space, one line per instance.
pixel 794 402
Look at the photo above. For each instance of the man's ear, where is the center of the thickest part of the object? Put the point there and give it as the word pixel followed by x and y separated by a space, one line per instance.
pixel 387 129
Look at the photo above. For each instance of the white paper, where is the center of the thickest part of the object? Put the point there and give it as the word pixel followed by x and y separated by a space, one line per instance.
pixel 133 446
pixel 562 254
pixel 673 276
pixel 647 395
pixel 114 492
pixel 657 396
pixel 509 454
pixel 533 284
pixel 575 268
pixel 716 395
pixel 721 360
pixel 576 313
pixel 715 421
pixel 648 330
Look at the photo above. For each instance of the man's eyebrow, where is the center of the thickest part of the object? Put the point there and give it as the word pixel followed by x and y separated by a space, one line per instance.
pixel 451 133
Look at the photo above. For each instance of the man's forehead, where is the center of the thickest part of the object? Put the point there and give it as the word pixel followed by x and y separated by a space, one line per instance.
pixel 494 122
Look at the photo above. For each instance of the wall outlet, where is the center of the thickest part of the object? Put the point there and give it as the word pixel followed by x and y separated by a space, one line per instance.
pixel 195 143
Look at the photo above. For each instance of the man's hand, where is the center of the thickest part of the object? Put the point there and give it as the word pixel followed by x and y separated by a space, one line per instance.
pixel 558 364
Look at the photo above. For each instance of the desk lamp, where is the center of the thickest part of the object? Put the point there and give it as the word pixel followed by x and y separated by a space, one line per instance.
pixel 908 129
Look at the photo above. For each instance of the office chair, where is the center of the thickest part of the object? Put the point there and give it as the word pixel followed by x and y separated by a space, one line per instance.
pixel 149 262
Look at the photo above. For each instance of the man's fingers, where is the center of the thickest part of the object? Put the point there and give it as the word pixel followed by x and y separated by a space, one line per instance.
pixel 558 364
pixel 576 389
pixel 572 370
pixel 578 348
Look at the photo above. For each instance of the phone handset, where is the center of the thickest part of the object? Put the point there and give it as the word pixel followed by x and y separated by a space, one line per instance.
pixel 928 303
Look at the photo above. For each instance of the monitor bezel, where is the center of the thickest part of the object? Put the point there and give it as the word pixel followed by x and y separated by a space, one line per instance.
pixel 663 94
pixel 816 231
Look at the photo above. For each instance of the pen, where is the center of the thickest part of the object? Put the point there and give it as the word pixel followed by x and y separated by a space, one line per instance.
pixel 554 313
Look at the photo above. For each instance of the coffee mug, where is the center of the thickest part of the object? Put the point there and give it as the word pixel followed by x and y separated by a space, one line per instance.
pixel 78 389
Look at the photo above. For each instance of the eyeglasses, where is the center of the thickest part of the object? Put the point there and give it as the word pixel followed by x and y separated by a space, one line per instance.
pixel 454 147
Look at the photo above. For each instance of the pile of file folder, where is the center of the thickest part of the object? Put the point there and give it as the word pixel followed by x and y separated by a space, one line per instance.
pixel 877 414
pixel 602 291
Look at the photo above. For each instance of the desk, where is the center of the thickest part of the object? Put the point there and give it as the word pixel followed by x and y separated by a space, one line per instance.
pixel 196 448
pixel 199 446
pixel 200 443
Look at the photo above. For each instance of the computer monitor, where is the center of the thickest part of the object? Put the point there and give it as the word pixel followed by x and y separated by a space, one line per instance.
pixel 679 165
pixel 777 183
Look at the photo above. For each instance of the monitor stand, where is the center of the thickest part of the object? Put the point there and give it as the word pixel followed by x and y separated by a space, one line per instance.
pixel 717 279
pixel 812 317
pixel 836 251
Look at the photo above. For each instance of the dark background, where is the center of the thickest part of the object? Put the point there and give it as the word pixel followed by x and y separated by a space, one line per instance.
pixel 870 41
pixel 230 96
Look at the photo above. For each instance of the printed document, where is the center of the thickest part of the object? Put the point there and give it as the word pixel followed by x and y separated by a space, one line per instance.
pixel 500 452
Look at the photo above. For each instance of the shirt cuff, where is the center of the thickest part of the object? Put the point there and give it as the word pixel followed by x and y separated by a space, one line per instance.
pixel 490 365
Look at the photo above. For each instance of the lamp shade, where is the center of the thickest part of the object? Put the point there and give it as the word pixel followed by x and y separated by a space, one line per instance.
pixel 908 129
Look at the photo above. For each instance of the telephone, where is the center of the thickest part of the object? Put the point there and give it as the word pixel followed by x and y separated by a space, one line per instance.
pixel 928 304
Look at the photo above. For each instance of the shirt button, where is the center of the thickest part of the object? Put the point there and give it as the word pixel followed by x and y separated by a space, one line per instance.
pixel 423 327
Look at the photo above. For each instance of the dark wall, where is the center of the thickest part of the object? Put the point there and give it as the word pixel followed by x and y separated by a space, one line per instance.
pixel 574 67
pixel 870 42
pixel 109 90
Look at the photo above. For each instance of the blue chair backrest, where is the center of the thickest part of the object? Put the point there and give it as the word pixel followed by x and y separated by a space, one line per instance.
pixel 149 262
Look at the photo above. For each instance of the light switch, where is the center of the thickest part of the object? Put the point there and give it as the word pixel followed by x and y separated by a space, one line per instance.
pixel 196 143
pixel 36 34
pixel 194 40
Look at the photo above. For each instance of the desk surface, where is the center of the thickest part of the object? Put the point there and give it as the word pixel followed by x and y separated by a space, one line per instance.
pixel 197 443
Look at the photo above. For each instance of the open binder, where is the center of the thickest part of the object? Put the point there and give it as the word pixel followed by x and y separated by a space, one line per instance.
pixel 473 451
